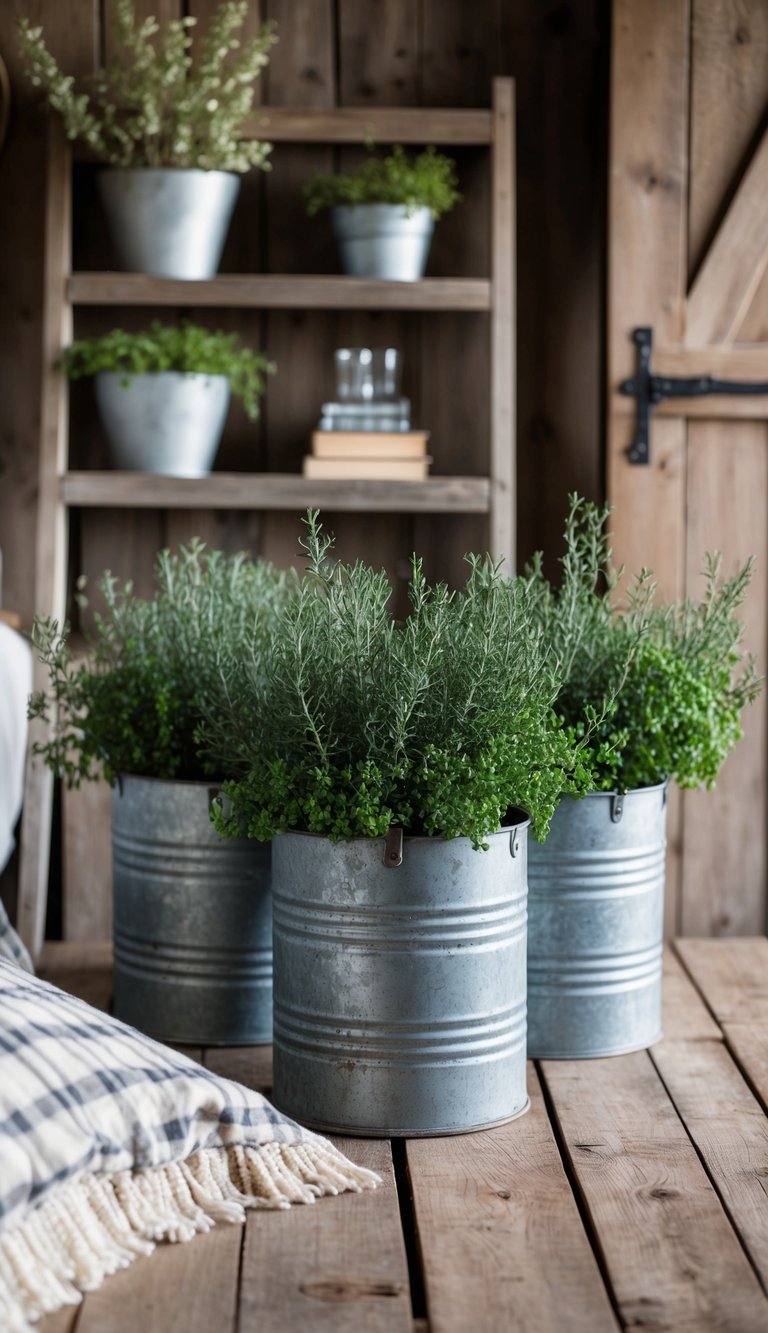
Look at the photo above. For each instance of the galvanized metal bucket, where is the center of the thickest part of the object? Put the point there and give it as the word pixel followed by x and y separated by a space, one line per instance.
pixel 192 919
pixel 400 986
pixel 168 422
pixel 596 923
pixel 169 221
pixel 383 240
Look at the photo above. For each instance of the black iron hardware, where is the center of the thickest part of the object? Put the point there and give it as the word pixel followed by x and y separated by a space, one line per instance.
pixel 648 390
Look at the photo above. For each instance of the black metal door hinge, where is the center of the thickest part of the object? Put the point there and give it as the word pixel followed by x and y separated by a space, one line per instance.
pixel 648 390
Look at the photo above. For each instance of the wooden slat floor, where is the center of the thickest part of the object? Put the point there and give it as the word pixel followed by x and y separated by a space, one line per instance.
pixel 634 1194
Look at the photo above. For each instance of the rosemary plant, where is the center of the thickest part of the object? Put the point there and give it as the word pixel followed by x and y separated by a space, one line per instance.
pixel 156 104
pixel 438 724
pixel 674 677
pixel 134 704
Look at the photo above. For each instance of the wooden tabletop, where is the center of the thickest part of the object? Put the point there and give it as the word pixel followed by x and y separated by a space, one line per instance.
pixel 634 1194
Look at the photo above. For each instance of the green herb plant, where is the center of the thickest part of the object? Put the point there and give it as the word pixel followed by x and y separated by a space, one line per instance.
pixel 186 348
pixel 134 703
pixel 679 692
pixel 156 104
pixel 423 180
pixel 437 724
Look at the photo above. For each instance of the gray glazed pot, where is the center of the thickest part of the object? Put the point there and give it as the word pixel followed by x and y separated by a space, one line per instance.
pixel 596 925
pixel 382 240
pixel 169 422
pixel 192 919
pixel 400 990
pixel 169 222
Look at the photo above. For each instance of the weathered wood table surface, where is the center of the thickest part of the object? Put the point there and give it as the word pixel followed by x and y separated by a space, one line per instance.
pixel 634 1194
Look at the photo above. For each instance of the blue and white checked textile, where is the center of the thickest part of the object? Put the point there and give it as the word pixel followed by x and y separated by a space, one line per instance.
pixel 11 946
pixel 111 1140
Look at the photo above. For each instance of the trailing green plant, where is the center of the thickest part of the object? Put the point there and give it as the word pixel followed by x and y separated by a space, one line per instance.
pixel 185 347
pixel 437 724
pixel 156 104
pixel 423 180
pixel 134 703
pixel 679 695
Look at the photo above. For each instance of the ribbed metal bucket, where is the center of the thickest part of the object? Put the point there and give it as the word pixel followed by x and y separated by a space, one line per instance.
pixel 400 990
pixel 383 240
pixel 192 919
pixel 166 221
pixel 168 422
pixel 596 922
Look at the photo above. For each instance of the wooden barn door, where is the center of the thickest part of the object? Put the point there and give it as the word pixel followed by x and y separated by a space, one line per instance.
pixel 688 246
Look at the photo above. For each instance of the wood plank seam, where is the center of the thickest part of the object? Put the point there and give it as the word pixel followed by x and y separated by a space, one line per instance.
pixel 580 1199
pixel 712 1178
pixel 732 1051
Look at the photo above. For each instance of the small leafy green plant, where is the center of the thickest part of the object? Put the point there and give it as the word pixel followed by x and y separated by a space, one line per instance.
pixel 437 724
pixel 186 348
pixel 425 180
pixel 677 695
pixel 156 104
pixel 135 702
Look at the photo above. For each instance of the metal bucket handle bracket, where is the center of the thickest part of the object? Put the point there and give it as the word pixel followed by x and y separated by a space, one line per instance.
pixel 514 843
pixel 393 848
pixel 617 807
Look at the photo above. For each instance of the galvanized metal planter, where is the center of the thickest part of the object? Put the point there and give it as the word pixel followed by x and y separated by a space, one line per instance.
pixel 169 221
pixel 383 240
pixel 400 989
pixel 192 919
pixel 596 921
pixel 168 422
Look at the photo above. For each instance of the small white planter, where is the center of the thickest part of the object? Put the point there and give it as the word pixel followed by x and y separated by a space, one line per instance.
pixel 169 222
pixel 383 240
pixel 170 422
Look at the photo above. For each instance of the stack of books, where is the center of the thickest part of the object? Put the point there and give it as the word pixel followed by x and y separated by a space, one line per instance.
pixel 368 455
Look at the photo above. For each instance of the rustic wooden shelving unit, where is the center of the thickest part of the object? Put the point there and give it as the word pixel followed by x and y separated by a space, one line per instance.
pixel 61 489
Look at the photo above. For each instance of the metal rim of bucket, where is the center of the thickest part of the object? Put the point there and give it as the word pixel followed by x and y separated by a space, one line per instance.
pixel 326 1128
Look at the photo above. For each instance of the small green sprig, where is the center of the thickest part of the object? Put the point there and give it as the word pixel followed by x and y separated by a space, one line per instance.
pixel 186 348
pixel 156 104
pixel 425 180
pixel 134 703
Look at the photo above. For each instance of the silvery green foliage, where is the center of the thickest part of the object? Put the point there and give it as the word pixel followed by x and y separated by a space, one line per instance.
pixel 155 667
pixel 154 104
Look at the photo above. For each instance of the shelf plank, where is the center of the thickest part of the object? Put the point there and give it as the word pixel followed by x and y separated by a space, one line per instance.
pixel 235 490
pixel 383 124
pixel 281 291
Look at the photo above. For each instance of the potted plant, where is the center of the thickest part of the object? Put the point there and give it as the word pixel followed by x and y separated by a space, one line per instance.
pixel 192 918
pixel 383 213
pixel 167 121
pixel 597 884
pixel 393 766
pixel 164 393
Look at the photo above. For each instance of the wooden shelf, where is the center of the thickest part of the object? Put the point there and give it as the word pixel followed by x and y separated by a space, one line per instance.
pixel 276 290
pixel 384 124
pixel 271 490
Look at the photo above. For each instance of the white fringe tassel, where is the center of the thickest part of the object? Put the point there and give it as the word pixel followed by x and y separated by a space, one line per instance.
pixel 96 1224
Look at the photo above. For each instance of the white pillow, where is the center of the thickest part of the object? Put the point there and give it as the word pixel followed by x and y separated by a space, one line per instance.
pixel 11 946
pixel 110 1142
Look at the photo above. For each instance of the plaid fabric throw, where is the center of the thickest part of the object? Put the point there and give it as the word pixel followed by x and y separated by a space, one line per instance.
pixel 11 946
pixel 110 1142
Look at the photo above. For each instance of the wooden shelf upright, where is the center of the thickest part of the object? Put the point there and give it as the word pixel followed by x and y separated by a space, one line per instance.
pixel 61 489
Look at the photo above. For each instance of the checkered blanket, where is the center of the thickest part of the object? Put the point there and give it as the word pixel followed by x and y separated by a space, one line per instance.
pixel 11 947
pixel 110 1141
